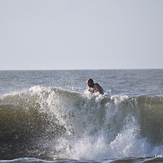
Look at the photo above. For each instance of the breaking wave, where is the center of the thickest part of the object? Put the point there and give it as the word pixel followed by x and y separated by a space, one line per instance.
pixel 52 123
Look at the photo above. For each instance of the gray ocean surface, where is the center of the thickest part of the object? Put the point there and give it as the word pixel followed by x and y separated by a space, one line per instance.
pixel 49 116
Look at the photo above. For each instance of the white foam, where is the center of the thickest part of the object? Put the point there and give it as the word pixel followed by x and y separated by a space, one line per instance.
pixel 126 144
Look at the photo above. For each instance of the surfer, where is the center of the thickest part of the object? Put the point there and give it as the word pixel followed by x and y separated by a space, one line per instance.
pixel 94 87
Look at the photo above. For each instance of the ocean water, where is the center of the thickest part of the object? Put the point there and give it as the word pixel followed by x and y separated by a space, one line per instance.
pixel 50 117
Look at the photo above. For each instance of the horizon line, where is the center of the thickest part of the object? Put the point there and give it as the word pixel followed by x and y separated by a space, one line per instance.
pixel 81 69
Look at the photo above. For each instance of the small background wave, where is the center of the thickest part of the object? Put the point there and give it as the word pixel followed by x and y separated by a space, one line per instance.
pixel 120 160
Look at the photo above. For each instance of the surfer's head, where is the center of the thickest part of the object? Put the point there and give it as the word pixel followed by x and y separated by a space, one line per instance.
pixel 90 82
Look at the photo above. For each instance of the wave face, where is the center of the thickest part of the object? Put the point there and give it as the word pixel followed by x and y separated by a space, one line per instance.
pixel 51 123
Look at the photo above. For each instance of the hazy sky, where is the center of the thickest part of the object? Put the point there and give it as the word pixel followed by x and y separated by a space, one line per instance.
pixel 81 34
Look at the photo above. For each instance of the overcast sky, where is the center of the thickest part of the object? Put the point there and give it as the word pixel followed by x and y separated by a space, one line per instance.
pixel 81 34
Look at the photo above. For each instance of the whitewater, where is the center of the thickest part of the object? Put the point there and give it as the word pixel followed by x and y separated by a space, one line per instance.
pixel 49 116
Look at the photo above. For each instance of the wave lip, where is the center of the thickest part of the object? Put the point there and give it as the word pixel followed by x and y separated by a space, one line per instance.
pixel 51 123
